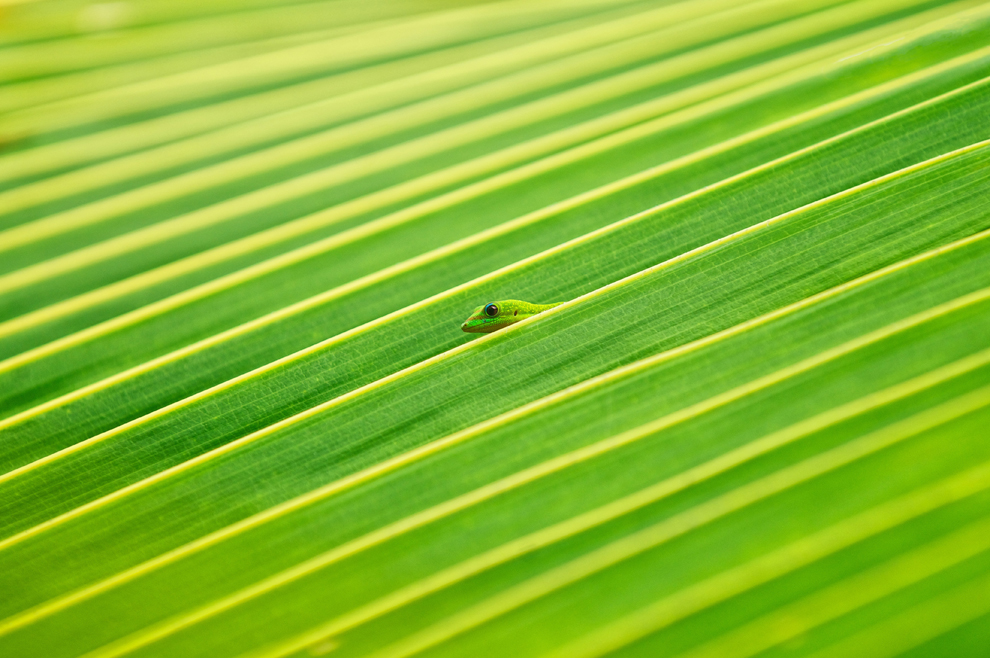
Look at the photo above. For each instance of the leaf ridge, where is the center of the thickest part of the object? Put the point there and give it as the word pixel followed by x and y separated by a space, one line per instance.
pixel 230 279
pixel 848 595
pixel 714 467
pixel 541 538
pixel 919 624
pixel 545 213
pixel 487 164
pixel 734 581
pixel 138 96
pixel 531 51
pixel 250 438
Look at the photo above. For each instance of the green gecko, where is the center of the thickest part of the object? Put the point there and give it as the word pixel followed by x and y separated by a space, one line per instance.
pixel 495 315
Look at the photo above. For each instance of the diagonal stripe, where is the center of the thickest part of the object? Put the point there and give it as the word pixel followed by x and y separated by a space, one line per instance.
pixel 310 223
pixel 527 544
pixel 33 60
pixel 471 63
pixel 528 219
pixel 146 636
pixel 693 476
pixel 379 126
pixel 740 579
pixel 848 595
pixel 259 434
pixel 391 38
pixel 140 48
pixel 471 345
pixel 916 626
pixel 364 90
pixel 513 118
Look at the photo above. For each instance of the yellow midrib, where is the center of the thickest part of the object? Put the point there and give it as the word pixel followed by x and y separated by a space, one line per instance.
pixel 406 80
pixel 628 629
pixel 323 345
pixel 313 222
pixel 735 580
pixel 848 595
pixel 953 370
pixel 542 538
pixel 379 126
pixel 530 218
pixel 917 625
pixel 271 114
pixel 805 551
pixel 396 35
pixel 55 57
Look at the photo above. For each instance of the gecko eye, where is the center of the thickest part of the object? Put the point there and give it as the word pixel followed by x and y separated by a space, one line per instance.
pixel 491 310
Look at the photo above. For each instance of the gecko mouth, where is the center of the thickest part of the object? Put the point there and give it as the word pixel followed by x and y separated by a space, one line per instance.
pixel 480 325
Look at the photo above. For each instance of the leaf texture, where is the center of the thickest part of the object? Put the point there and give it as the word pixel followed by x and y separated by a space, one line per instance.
pixel 237 415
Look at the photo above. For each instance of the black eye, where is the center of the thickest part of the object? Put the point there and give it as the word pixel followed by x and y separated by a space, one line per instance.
pixel 491 310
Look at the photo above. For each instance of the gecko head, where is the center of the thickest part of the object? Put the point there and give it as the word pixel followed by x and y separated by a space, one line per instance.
pixel 491 317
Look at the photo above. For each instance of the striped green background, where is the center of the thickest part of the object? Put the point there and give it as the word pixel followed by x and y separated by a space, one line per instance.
pixel 238 417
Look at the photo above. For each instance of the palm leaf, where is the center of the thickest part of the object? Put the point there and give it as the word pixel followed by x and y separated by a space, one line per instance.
pixel 238 417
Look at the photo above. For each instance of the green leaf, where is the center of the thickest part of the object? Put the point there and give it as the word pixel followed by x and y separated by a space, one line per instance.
pixel 237 414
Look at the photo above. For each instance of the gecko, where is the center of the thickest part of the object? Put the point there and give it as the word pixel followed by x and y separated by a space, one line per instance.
pixel 495 315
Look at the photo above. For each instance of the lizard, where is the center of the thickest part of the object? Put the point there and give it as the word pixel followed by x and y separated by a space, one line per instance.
pixel 496 315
